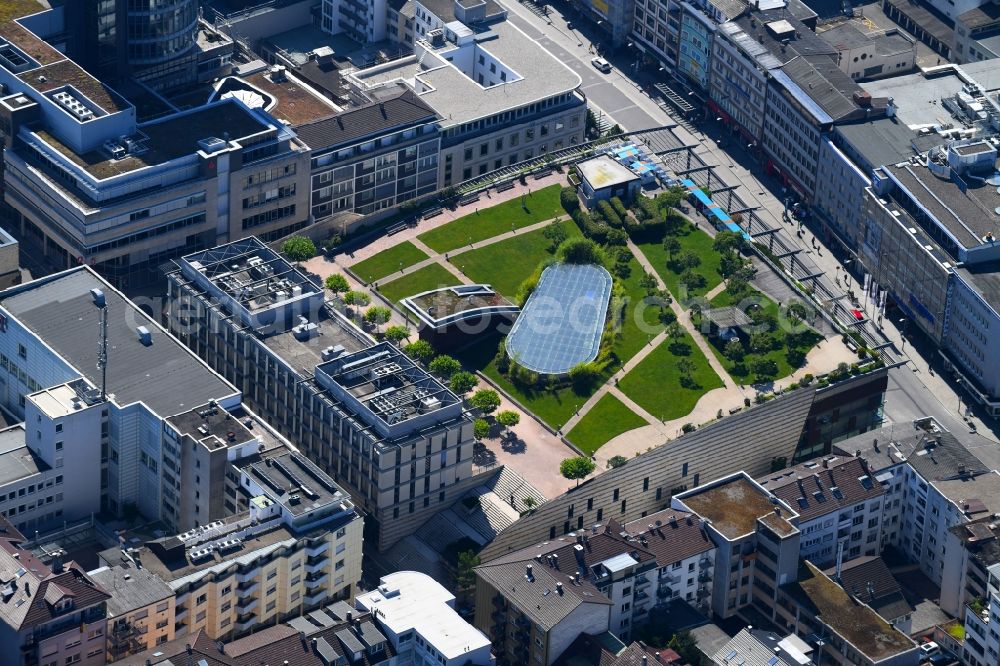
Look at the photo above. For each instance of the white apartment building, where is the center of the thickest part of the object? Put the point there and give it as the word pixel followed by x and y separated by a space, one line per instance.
pixel 982 624
pixel 417 615
pixel 685 556
pixel 932 483
pixel 839 504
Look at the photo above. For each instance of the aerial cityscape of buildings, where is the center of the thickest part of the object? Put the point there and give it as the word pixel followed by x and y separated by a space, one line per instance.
pixel 259 261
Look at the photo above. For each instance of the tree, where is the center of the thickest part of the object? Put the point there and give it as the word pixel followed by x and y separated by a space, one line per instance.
pixel 582 376
pixel 396 334
pixel 685 367
pixel 727 242
pixel 569 200
pixel 508 418
pixel 688 259
pixel 576 468
pixel 463 382
pixel 760 343
pixel 649 283
pixel 444 366
pixel 358 298
pixel 672 198
pixel 686 646
pixel 693 279
pixel 529 502
pixel 298 248
pixel 480 429
pixel 465 569
pixel 555 234
pixel 734 350
pixel 580 251
pixel 420 351
pixel 377 315
pixel 337 283
pixel 763 367
pixel 672 246
pixel 616 461
pixel 485 400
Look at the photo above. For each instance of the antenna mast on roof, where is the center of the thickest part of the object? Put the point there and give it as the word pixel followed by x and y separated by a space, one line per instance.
pixel 102 343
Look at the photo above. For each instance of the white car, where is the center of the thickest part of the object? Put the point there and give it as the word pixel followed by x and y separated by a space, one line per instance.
pixel 928 649
pixel 601 64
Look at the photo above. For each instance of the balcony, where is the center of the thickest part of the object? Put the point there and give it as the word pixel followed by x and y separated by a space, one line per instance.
pixel 704 577
pixel 705 563
pixel 250 574
pixel 314 581
pixel 181 614
pixel 246 605
pixel 702 592
pixel 316 597
pixel 641 579
pixel 317 564
pixel 499 602
pixel 245 589
pixel 244 622
pixel 317 549
pixel 664 591
pixel 640 596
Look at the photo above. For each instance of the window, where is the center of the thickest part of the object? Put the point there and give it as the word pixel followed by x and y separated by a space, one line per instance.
pixel 22 351
pixel 59 446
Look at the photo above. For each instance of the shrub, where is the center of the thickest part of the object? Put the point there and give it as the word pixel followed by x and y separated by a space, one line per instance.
pixel 609 215
pixel 617 238
pixel 359 298
pixel 583 376
pixel 580 251
pixel 569 200
pixel 616 461
pixel 619 207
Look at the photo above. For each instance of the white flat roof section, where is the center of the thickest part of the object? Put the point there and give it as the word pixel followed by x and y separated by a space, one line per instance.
pixel 603 171
pixel 408 600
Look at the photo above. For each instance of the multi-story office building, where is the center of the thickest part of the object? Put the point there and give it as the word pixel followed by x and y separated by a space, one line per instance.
pixel 756 540
pixel 771 62
pixel 418 618
pixel 804 422
pixel 685 556
pixel 500 96
pixel 141 609
pixel 375 156
pixel 293 545
pixel 48 615
pixel 839 503
pixel 396 438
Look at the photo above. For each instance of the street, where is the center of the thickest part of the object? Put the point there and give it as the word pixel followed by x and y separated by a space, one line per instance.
pixel 915 388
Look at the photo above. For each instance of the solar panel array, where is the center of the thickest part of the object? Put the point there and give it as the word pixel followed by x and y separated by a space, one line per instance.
pixel 562 322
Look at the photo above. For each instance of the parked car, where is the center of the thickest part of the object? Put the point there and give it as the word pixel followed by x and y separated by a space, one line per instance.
pixel 928 649
pixel 601 64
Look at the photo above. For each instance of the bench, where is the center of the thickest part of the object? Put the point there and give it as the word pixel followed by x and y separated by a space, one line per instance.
pixel 433 212
pixel 396 228
pixel 503 187
pixel 469 198
pixel 542 173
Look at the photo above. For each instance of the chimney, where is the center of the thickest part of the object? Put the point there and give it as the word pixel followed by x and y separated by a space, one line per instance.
pixel 555 561
pixel 645 660
pixel 777 511
pixel 528 574
pixel 657 656
pixel 559 589
pixel 187 647
pixel 350 616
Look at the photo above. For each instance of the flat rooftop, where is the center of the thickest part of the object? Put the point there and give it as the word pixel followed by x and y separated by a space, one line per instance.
pixel 440 308
pixel 968 215
pixel 293 100
pixel 249 276
pixel 856 623
pixel 985 279
pixel 853 34
pixel 130 587
pixel 385 388
pixel 918 96
pixel 299 43
pixel 295 482
pixel 885 140
pixel 16 459
pixel 411 600
pixel 602 171
pixel 732 505
pixel 169 139
pixel 166 376
pixel 213 426
pixel 458 99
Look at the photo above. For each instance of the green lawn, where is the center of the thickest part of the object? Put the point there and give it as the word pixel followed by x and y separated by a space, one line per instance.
pixel 493 221
pixel 425 279
pixel 606 420
pixel 655 384
pixel 696 241
pixel 636 331
pixel 506 264
pixel 740 371
pixel 388 262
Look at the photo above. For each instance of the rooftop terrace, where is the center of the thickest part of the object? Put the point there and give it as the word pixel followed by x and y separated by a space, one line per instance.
pixel 732 505
pixel 165 140
pixel 856 623
pixel 442 307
